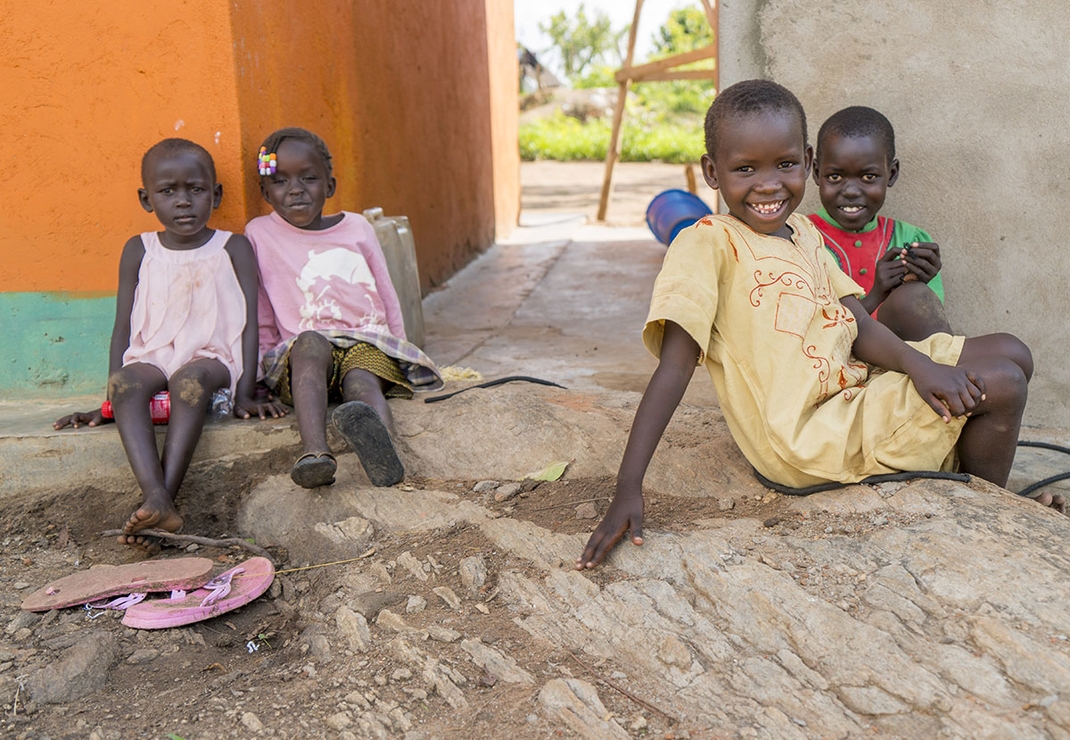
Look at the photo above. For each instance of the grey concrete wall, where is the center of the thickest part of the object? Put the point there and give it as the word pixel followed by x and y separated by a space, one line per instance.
pixel 979 94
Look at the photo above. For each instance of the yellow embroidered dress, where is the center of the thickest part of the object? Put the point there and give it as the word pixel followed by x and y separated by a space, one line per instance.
pixel 776 341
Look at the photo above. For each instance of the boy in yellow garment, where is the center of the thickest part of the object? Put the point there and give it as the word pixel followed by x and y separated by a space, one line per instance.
pixel 756 298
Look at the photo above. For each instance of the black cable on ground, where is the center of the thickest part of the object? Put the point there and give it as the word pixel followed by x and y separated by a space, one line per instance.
pixel 1032 488
pixel 492 383
pixel 871 480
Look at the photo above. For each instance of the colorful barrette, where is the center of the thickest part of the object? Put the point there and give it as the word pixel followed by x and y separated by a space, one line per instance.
pixel 267 162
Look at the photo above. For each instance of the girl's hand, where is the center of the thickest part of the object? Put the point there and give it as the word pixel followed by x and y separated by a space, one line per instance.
pixel 625 515
pixel 90 418
pixel 922 261
pixel 949 390
pixel 247 408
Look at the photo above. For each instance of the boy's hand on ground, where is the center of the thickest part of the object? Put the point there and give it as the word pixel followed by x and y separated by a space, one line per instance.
pixel 890 273
pixel 89 418
pixel 625 515
pixel 247 408
pixel 922 261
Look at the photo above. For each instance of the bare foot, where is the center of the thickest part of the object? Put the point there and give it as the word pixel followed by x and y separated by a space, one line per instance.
pixel 149 516
pixel 1055 501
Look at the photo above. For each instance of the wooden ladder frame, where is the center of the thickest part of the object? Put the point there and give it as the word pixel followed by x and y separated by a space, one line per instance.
pixel 661 70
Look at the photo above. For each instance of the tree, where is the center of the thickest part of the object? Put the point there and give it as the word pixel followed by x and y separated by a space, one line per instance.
pixel 685 30
pixel 582 41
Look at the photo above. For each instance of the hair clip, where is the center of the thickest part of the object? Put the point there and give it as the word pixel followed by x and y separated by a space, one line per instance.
pixel 267 162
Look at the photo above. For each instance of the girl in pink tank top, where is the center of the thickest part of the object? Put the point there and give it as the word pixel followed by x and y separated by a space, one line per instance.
pixel 185 322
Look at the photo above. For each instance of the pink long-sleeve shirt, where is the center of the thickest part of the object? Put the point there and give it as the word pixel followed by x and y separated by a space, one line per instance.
pixel 333 280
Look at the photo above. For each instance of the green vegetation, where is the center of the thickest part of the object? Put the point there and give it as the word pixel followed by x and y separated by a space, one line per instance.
pixel 663 120
pixel 565 139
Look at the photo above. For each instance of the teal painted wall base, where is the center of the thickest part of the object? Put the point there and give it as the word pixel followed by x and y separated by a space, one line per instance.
pixel 54 344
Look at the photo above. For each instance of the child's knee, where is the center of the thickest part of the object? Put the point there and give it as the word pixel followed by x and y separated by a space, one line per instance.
pixel 189 387
pixel 122 384
pixel 1015 350
pixel 1007 384
pixel 310 344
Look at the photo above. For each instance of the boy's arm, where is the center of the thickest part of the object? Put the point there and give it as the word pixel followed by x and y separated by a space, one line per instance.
pixel 244 262
pixel 679 356
pixel 949 390
pixel 129 267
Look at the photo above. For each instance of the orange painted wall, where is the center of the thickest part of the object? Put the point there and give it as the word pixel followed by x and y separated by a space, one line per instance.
pixel 416 100
pixel 425 123
pixel 88 87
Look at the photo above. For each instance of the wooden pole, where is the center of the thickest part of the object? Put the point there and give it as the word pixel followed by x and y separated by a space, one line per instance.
pixel 613 150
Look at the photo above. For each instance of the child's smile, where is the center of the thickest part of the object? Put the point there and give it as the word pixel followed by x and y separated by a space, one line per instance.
pixel 300 186
pixel 761 166
pixel 853 176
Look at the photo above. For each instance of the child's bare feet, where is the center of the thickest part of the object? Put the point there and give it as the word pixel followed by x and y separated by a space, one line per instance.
pixel 150 515
pixel 1052 500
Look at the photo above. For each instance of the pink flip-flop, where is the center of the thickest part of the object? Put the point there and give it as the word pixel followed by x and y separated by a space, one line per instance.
pixel 103 581
pixel 227 591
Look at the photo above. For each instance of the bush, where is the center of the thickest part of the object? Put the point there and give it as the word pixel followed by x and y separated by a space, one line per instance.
pixel 565 139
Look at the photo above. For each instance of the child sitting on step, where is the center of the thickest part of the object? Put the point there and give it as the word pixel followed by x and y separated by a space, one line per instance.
pixel 330 322
pixel 185 321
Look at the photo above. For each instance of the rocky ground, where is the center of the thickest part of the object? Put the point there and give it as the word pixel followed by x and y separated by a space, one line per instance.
pixel 447 606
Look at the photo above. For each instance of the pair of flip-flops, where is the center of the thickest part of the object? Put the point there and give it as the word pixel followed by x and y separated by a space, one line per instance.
pixel 366 434
pixel 208 598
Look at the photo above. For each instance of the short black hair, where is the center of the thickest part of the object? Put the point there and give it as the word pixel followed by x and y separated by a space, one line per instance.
pixel 172 146
pixel 274 141
pixel 750 96
pixel 857 122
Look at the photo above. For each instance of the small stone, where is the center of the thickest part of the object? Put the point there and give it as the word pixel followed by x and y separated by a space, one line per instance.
pixel 587 510
pixel 415 604
pixel 726 504
pixel 771 521
pixel 1048 700
pixel 473 572
pixel 485 485
pixel 144 655
pixel 193 547
pixel 414 566
pixel 251 722
pixel 21 585
pixel 443 634
pixel 339 721
pixel 507 491
pixel 401 674
pixel 446 594
pixel 638 724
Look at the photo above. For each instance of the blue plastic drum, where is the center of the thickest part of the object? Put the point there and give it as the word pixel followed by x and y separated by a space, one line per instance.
pixel 672 211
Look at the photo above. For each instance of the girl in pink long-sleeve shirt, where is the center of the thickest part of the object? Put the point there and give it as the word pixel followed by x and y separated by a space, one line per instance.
pixel 330 320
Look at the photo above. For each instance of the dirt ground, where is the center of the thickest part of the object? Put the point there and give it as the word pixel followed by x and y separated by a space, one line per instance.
pixel 270 658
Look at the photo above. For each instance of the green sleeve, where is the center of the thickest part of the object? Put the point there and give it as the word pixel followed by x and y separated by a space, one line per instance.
pixel 903 234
